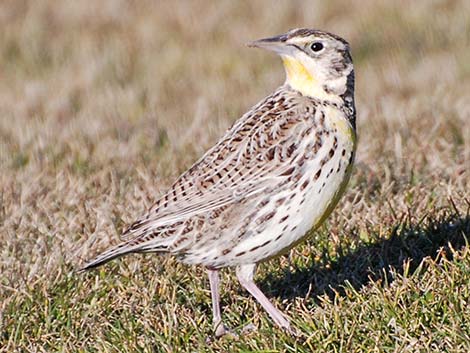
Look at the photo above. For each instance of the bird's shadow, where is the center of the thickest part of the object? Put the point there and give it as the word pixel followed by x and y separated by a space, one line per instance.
pixel 408 243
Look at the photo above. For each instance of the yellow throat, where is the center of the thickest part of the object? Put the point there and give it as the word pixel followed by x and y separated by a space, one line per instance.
pixel 300 79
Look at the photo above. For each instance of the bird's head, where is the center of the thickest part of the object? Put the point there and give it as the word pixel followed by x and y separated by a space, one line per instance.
pixel 317 63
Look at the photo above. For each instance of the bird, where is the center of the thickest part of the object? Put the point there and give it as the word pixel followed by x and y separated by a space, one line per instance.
pixel 272 178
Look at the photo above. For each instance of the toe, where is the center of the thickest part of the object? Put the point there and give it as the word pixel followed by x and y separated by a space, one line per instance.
pixel 221 330
pixel 247 329
pixel 292 331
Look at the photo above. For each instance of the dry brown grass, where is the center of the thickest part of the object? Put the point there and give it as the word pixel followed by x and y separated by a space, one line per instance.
pixel 103 104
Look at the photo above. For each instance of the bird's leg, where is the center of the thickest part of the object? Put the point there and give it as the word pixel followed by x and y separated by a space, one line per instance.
pixel 245 275
pixel 219 327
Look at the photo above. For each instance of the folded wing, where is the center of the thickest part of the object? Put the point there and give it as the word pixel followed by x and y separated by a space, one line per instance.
pixel 252 156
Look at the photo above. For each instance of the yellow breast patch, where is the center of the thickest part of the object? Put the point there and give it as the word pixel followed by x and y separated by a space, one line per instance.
pixel 339 121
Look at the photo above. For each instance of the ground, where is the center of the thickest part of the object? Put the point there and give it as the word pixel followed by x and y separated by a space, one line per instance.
pixel 104 103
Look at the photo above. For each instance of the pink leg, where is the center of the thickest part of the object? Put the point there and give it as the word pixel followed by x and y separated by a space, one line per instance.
pixel 245 275
pixel 219 327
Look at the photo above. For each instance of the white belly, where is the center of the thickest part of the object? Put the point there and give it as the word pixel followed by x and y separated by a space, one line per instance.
pixel 306 210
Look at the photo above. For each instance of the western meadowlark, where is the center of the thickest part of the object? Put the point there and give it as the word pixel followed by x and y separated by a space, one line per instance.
pixel 277 173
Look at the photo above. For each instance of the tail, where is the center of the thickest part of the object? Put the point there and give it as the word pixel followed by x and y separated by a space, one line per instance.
pixel 127 247
pixel 117 251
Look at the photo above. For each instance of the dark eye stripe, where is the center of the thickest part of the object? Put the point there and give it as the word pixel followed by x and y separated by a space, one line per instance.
pixel 300 48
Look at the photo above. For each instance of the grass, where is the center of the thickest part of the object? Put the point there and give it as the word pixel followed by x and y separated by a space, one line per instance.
pixel 103 104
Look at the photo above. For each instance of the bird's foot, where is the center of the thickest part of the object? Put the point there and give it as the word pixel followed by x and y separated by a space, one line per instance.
pixel 221 330
pixel 292 331
pixel 247 329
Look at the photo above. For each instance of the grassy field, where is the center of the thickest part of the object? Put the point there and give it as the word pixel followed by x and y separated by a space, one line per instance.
pixel 104 103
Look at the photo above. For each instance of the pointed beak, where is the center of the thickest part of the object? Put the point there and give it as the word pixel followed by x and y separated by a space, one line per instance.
pixel 276 44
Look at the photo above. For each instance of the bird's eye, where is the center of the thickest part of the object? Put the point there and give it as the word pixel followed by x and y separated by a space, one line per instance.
pixel 316 46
